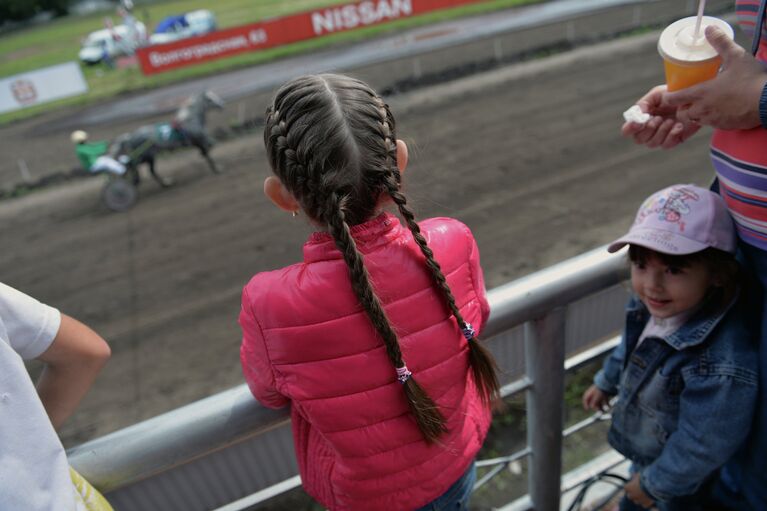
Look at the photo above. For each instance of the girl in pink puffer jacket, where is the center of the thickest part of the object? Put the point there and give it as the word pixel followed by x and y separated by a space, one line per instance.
pixel 331 335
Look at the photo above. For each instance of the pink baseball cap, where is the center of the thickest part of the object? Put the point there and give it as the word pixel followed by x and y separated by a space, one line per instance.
pixel 679 220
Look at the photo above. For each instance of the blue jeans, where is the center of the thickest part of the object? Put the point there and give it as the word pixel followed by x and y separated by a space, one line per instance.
pixel 456 498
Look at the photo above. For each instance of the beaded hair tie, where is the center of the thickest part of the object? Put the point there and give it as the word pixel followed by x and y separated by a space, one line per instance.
pixel 403 374
pixel 468 331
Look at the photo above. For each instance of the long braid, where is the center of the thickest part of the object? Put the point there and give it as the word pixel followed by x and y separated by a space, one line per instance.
pixel 428 417
pixel 311 137
pixel 483 364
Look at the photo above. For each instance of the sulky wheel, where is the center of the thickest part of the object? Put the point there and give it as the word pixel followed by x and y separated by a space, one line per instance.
pixel 119 194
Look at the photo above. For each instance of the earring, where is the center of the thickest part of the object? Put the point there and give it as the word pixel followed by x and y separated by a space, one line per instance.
pixel 294 213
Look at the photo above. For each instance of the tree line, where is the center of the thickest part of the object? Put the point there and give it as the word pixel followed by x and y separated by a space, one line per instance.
pixel 20 10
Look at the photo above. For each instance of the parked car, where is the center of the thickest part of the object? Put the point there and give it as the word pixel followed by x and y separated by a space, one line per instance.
pixel 180 26
pixel 111 43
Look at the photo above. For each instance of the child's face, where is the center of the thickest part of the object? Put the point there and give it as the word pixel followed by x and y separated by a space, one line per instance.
pixel 668 290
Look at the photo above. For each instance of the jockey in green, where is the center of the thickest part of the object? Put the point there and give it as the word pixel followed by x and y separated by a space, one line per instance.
pixel 93 155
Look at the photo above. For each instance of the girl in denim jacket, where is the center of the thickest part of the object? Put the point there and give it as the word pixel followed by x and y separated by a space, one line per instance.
pixel 685 372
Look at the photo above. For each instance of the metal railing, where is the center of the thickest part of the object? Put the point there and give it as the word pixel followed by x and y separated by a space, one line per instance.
pixel 227 452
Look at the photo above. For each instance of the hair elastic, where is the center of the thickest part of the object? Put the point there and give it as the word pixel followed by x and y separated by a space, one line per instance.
pixel 468 331
pixel 403 374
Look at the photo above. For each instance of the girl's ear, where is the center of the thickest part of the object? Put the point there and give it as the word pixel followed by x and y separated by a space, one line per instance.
pixel 402 155
pixel 279 195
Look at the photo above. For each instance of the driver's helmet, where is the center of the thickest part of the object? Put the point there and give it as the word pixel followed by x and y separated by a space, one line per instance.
pixel 78 137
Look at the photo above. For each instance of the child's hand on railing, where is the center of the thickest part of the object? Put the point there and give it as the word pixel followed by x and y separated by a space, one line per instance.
pixel 596 399
pixel 636 494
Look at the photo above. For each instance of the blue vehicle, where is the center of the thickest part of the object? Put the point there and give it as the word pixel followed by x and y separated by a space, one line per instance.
pixel 181 26
pixel 174 23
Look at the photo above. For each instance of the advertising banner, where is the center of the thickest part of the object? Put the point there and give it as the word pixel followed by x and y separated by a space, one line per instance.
pixel 41 85
pixel 283 30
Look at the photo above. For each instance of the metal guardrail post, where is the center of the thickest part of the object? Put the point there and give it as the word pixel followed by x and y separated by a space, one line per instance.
pixel 545 364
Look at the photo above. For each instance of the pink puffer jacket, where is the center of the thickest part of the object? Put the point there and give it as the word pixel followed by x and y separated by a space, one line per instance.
pixel 307 342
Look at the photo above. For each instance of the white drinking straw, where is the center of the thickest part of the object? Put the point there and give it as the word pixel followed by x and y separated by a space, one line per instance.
pixel 701 7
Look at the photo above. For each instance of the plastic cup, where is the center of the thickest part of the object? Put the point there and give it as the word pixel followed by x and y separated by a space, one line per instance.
pixel 689 60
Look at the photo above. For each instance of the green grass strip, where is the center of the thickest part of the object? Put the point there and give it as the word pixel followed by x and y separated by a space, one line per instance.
pixel 59 41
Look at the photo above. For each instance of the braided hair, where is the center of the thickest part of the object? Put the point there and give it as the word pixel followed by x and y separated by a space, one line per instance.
pixel 332 143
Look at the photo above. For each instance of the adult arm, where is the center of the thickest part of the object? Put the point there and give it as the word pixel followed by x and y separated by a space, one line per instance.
pixel 72 362
pixel 731 100
pixel 256 366
pixel 715 413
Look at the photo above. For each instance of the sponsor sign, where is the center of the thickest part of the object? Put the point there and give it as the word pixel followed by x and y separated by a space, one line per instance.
pixel 40 86
pixel 284 30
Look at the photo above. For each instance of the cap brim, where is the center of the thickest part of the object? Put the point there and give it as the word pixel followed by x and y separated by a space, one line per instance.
pixel 665 242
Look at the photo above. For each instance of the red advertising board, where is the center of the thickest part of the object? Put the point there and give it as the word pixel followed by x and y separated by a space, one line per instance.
pixel 284 30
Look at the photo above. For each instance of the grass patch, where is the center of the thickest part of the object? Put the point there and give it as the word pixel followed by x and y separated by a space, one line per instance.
pixel 59 41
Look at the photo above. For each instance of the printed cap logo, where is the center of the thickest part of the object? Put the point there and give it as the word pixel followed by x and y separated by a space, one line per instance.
pixel 671 207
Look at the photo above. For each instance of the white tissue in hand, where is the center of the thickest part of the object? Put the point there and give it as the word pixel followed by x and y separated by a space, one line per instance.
pixel 635 114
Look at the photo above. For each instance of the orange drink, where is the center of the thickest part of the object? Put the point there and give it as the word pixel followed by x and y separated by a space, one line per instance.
pixel 679 76
pixel 689 59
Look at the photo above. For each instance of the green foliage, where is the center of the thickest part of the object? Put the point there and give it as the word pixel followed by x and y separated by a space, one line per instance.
pixel 20 10
pixel 58 7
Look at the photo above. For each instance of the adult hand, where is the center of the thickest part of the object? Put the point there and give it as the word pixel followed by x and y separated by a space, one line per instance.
pixel 663 129
pixel 636 494
pixel 596 399
pixel 731 100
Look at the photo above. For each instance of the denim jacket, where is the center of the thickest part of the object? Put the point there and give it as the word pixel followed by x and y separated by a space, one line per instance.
pixel 685 402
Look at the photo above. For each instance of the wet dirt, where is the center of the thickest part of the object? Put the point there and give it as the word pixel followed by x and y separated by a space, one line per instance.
pixel 529 156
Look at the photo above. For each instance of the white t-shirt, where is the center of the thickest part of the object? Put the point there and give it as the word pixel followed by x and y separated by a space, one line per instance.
pixel 34 473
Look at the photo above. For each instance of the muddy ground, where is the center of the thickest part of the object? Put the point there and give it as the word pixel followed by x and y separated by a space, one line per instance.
pixel 529 156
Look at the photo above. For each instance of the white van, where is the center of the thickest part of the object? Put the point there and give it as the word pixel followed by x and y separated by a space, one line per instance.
pixel 113 42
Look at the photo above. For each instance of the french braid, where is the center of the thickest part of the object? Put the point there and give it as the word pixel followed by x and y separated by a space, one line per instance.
pixel 323 138
pixel 483 365
pixel 428 417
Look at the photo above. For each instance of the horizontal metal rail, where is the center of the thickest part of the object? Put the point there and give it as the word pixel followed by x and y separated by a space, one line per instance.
pixel 500 463
pixel 557 286
pixel 203 428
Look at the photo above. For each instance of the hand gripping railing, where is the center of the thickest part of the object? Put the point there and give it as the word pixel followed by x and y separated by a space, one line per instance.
pixel 211 452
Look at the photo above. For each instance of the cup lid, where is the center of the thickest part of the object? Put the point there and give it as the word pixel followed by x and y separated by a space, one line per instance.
pixel 677 41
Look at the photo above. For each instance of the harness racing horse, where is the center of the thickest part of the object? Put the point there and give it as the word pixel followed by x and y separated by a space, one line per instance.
pixel 186 130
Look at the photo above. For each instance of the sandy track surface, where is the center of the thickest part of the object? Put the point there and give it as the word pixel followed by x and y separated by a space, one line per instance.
pixel 529 156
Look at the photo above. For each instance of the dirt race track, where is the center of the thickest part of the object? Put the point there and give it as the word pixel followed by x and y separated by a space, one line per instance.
pixel 529 156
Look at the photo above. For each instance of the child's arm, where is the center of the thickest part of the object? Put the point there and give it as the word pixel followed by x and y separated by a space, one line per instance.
pixel 608 377
pixel 596 399
pixel 256 366
pixel 636 494
pixel 597 396
pixel 72 362
pixel 715 412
